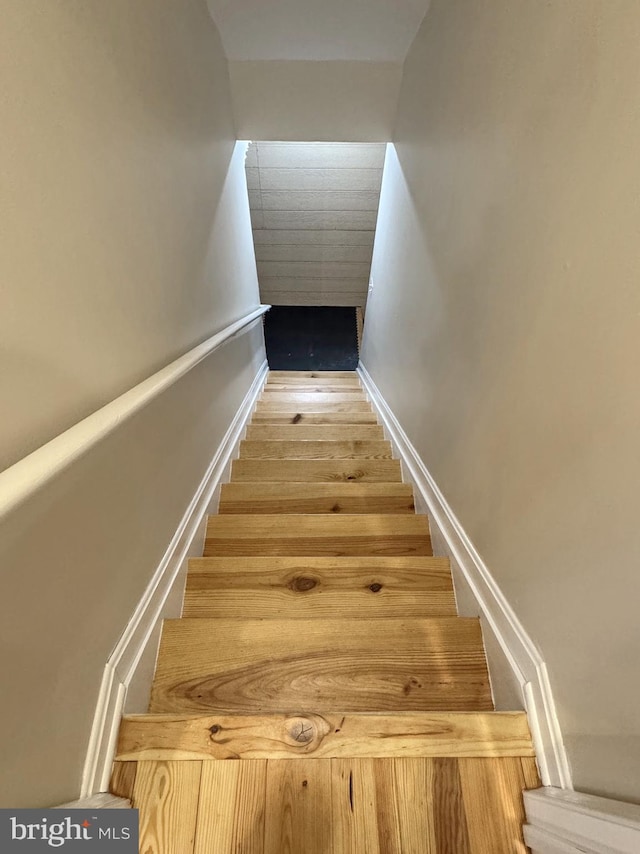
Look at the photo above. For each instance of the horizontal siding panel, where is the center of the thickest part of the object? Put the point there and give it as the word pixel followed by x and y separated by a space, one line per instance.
pixel 253 177
pixel 296 298
pixel 251 159
pixel 310 237
pixel 320 155
pixel 345 220
pixel 318 179
pixel 314 200
pixel 312 270
pixel 257 219
pixel 299 283
pixel 309 252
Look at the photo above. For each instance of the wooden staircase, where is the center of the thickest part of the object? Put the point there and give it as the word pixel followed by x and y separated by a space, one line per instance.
pixel 320 650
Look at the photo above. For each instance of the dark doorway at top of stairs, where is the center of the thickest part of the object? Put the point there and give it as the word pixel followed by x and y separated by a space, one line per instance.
pixel 311 338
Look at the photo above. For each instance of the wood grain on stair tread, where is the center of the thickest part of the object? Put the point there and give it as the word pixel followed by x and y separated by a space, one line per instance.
pixel 320 666
pixel 347 498
pixel 416 734
pixel 307 449
pixel 312 405
pixel 167 794
pixel 483 786
pixel 231 808
pixel 323 471
pixel 314 432
pixel 287 399
pixel 368 806
pixel 295 588
pixel 294 416
pixel 298 807
pixel 317 534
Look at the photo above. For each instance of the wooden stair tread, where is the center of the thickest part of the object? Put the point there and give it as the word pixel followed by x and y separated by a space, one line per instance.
pixel 320 666
pixel 240 497
pixel 281 736
pixel 314 432
pixel 312 405
pixel 328 416
pixel 293 398
pixel 303 588
pixel 316 386
pixel 317 534
pixel 307 449
pixel 338 806
pixel 325 471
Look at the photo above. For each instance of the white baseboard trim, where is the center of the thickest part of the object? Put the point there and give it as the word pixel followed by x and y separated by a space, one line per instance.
pixel 101 801
pixel 121 666
pixel 523 656
pixel 565 822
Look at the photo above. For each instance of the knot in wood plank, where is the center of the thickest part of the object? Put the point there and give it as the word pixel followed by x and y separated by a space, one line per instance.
pixel 302 731
pixel 302 583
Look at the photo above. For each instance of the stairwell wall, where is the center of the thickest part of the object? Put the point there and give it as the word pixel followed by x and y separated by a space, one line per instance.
pixel 502 329
pixel 126 242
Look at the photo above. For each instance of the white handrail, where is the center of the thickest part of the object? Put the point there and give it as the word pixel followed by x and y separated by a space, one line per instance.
pixel 33 471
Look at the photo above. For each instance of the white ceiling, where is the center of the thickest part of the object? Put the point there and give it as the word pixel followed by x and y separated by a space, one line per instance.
pixel 363 30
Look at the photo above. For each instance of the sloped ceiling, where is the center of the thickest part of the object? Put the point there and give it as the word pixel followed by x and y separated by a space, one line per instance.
pixel 361 30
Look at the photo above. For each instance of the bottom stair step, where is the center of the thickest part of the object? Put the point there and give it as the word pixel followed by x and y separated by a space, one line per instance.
pixel 185 737
pixel 321 666
pixel 332 806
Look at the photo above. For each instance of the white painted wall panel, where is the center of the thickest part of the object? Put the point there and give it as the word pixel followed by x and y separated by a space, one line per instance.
pixel 314 200
pixel 320 219
pixel 313 269
pixel 310 252
pixel 309 237
pixel 310 286
pixel 339 298
pixel 319 155
pixel 345 178
pixel 314 208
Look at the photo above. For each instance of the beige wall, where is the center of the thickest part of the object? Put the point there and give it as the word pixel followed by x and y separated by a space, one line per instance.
pixel 126 240
pixel 119 244
pixel 503 329
pixel 315 101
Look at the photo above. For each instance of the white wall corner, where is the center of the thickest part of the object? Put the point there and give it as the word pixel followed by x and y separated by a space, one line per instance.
pixel 565 822
pixel 524 658
pixel 162 599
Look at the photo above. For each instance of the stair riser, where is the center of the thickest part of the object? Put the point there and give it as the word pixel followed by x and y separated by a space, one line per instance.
pixel 169 738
